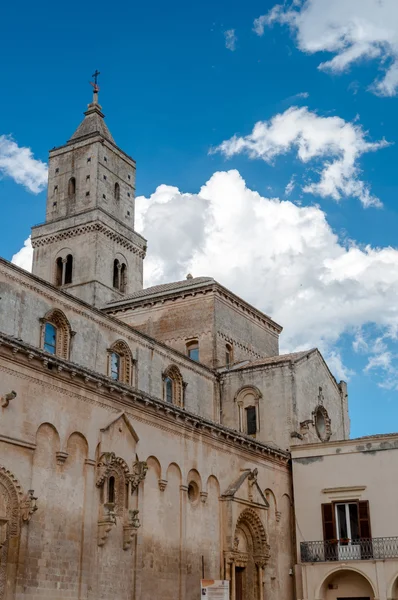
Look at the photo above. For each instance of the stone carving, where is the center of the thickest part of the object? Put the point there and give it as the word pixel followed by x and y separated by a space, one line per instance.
pixel 28 506
pixel 106 522
pixel 252 479
pixel 138 474
pixel 110 465
pixel 130 529
pixel 6 399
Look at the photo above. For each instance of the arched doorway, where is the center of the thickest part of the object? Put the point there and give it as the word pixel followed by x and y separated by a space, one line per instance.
pixel 249 555
pixel 346 584
pixel 394 591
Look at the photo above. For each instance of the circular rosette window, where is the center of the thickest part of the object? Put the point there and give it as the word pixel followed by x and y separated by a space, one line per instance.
pixel 322 423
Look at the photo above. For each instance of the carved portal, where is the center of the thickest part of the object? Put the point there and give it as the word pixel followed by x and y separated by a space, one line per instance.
pixel 15 507
pixel 247 557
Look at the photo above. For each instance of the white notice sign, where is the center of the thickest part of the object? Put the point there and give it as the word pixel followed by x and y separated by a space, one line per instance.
pixel 214 589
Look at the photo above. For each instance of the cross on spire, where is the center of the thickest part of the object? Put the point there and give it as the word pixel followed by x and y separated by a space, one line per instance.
pixel 95 84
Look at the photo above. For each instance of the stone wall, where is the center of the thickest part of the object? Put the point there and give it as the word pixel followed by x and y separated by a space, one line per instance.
pixel 288 393
pixel 26 300
pixel 52 435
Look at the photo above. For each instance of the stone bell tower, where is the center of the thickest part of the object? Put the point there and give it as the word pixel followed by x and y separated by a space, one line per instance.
pixel 87 245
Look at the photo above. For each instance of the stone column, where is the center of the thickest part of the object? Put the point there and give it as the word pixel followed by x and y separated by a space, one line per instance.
pixel 183 508
pixel 233 585
pixel 63 271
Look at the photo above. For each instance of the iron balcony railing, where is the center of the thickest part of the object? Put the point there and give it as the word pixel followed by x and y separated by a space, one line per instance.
pixel 362 549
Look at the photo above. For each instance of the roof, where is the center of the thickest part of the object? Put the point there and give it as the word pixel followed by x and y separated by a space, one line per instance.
pixel 165 287
pixel 179 287
pixel 274 360
pixel 92 124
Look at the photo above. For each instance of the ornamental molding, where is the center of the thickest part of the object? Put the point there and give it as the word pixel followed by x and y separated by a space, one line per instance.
pixel 73 232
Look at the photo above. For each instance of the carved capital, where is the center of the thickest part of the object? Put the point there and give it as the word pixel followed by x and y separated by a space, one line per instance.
pixel 138 474
pixel 203 497
pixel 278 515
pixel 61 457
pixel 162 484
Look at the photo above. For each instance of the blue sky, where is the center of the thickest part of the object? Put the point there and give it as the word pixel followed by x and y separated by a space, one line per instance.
pixel 172 90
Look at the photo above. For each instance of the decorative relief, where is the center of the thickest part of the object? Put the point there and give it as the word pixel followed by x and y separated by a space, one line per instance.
pixel 28 506
pixel 76 231
pixel 116 481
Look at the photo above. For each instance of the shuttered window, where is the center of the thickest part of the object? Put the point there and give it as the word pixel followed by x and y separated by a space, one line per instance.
pixel 348 520
pixel 364 519
pixel 329 525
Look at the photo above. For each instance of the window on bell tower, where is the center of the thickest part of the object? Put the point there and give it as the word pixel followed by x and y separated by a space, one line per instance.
pixel 72 186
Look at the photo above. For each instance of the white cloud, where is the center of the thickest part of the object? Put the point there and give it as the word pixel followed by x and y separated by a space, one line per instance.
pixel 283 258
pixel 352 30
pixel 290 186
pixel 19 164
pixel 230 39
pixel 337 143
pixel 23 258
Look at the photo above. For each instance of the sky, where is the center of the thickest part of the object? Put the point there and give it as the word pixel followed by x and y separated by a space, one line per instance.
pixel 265 137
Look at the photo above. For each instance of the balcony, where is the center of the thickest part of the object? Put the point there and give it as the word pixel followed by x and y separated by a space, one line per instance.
pixel 363 549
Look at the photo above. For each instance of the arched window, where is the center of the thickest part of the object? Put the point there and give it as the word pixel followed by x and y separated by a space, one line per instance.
pixel 193 350
pixel 123 278
pixel 50 338
pixel 119 275
pixel 115 366
pixel 116 273
pixel 117 191
pixel 111 490
pixel 56 334
pixel 248 404
pixel 228 355
pixel 72 186
pixel 173 386
pixel 59 267
pixel 68 268
pixel 251 420
pixel 63 270
pixel 120 362
pixel 168 387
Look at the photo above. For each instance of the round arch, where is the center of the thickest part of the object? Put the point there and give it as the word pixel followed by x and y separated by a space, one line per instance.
pixel 392 590
pixel 320 592
pixel 252 521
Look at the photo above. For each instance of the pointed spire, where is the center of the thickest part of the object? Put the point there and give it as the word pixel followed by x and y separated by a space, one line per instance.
pixel 93 122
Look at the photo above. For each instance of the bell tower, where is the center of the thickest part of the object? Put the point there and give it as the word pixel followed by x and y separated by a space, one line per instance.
pixel 87 245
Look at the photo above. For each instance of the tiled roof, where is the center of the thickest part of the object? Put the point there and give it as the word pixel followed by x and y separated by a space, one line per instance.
pixel 164 288
pixel 274 360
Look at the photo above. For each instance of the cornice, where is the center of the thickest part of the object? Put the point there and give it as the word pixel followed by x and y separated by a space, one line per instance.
pixel 72 232
pixel 94 380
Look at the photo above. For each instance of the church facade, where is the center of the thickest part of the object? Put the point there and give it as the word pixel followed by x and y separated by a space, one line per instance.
pixel 144 433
